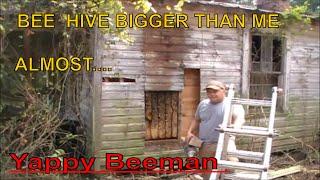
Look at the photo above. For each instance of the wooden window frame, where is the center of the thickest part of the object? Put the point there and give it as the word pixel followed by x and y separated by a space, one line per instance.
pixel 246 67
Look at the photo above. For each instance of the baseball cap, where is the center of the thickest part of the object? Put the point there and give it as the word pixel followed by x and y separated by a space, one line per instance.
pixel 217 85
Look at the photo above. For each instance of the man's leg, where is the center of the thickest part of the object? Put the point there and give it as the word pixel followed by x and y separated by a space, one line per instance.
pixel 207 150
pixel 232 147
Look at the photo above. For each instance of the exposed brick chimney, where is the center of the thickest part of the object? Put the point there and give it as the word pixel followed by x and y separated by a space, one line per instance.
pixel 276 5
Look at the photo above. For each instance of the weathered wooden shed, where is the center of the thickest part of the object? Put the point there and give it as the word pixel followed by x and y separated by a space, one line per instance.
pixel 161 75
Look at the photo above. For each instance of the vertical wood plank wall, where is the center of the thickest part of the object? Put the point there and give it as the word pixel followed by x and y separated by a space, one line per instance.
pixel 190 98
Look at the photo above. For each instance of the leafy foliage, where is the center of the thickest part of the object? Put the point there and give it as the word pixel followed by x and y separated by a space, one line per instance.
pixel 296 14
pixel 40 111
pixel 312 6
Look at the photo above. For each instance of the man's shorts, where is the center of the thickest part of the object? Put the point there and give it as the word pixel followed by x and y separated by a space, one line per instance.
pixel 207 150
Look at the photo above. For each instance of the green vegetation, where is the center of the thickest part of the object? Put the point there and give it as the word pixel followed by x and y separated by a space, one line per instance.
pixel 41 111
pixel 312 6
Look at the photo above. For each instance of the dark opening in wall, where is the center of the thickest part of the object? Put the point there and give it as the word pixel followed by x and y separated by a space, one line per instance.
pixel 266 54
pixel 266 71
pixel 116 79
pixel 277 54
pixel 161 114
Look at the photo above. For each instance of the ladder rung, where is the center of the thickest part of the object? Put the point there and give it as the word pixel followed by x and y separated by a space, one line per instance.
pixel 250 155
pixel 247 132
pixel 242 176
pixel 241 165
pixel 252 128
pixel 258 128
pixel 251 102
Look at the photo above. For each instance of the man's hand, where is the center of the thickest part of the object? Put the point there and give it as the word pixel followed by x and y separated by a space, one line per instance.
pixel 194 128
pixel 189 136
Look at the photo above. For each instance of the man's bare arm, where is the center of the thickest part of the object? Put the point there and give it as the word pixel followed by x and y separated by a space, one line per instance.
pixel 193 129
pixel 238 116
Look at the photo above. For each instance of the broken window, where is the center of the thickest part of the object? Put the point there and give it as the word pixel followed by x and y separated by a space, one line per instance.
pixel 265 65
pixel 161 112
pixel 115 79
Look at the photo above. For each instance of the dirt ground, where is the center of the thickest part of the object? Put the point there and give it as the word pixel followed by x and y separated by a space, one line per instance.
pixel 309 160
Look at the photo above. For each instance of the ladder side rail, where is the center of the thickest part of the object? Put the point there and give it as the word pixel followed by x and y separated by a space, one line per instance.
pixel 224 124
pixel 268 146
pixel 228 107
pixel 273 109
pixel 266 158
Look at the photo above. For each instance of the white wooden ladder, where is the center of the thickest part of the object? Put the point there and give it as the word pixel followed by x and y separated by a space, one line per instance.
pixel 266 132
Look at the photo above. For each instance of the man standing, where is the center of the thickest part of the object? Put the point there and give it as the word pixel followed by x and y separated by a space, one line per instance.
pixel 209 116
